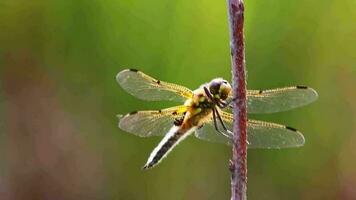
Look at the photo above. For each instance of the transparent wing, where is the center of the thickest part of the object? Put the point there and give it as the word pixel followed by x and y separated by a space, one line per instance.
pixel 208 133
pixel 279 99
pixel 260 134
pixel 151 122
pixel 145 87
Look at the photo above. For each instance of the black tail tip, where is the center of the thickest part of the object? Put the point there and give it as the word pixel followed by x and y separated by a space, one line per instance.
pixel 146 167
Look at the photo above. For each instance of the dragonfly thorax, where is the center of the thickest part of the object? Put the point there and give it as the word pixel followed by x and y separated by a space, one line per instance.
pixel 201 100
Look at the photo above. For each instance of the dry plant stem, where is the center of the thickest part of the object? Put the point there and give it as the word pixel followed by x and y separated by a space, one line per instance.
pixel 238 164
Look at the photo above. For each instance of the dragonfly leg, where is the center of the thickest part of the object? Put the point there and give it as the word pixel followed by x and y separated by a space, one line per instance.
pixel 214 119
pixel 224 104
pixel 215 123
pixel 220 119
pixel 207 92
pixel 215 112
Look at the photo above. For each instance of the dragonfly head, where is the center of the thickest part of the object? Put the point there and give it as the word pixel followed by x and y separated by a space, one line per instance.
pixel 219 88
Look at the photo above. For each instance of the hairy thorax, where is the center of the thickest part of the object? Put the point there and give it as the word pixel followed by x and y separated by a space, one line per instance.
pixel 199 109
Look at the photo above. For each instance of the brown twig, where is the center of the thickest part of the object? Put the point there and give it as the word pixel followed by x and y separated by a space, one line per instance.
pixel 238 164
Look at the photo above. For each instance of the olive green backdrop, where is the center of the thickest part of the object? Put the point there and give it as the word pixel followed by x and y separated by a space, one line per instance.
pixel 59 98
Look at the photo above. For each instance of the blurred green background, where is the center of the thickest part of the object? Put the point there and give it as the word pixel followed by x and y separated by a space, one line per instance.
pixel 59 99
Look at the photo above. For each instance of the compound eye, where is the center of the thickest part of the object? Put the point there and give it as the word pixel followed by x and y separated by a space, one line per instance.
pixel 225 89
pixel 214 87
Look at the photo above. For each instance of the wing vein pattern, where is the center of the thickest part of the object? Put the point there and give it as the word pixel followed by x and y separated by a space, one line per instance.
pixel 279 99
pixel 151 122
pixel 145 87
pixel 260 134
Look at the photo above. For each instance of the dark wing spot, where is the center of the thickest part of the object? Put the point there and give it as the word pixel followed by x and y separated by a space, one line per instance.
pixel 158 82
pixel 174 113
pixel 132 113
pixel 291 128
pixel 133 70
pixel 302 87
pixel 260 92
pixel 159 111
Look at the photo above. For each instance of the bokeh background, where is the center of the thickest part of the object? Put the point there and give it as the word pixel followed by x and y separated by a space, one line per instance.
pixel 59 99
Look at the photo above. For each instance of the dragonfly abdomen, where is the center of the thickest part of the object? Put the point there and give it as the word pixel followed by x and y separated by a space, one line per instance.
pixel 172 138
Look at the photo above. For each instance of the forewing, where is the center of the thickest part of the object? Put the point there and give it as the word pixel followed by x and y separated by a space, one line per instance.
pixel 279 99
pixel 260 134
pixel 151 122
pixel 145 87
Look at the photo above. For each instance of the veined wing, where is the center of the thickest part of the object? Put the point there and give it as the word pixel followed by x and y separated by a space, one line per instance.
pixel 279 99
pixel 151 122
pixel 145 87
pixel 260 134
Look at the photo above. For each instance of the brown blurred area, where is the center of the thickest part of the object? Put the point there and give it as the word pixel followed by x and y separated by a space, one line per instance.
pixel 44 156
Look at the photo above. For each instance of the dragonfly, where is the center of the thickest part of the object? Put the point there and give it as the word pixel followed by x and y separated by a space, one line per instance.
pixel 206 112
